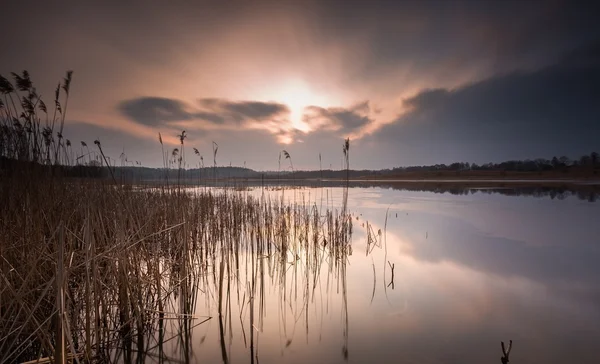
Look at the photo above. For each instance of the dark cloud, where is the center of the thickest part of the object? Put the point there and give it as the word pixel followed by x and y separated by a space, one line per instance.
pixel 344 120
pixel 554 110
pixel 586 56
pixel 154 110
pixel 426 99
pixel 502 35
pixel 243 110
pixel 157 111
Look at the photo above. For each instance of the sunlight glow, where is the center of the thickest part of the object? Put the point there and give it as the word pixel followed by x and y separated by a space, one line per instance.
pixel 297 95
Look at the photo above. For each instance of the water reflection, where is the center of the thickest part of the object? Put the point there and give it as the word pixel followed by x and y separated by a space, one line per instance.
pixel 333 275
pixel 583 190
pixel 436 280
pixel 263 288
pixel 431 280
pixel 472 270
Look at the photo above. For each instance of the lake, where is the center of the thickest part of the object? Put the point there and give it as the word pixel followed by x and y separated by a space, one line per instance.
pixel 442 279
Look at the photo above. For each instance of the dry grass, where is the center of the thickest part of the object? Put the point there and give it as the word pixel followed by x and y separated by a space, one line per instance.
pixel 116 259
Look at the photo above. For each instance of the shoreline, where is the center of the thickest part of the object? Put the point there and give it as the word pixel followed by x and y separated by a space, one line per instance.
pixel 456 181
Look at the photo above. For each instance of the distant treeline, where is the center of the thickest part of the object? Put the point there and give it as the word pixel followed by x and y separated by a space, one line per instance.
pixel 586 165
pixel 591 161
pixel 130 174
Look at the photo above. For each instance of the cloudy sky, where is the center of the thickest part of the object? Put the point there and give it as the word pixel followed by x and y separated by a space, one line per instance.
pixel 409 83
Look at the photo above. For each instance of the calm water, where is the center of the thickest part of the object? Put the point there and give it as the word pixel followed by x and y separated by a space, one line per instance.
pixel 469 271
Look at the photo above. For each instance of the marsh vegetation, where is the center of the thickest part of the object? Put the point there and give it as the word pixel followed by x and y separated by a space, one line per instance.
pixel 95 270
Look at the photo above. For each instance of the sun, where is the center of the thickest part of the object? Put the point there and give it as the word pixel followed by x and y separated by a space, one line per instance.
pixel 297 95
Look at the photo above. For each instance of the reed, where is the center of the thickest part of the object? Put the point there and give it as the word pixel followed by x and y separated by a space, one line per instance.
pixel 95 270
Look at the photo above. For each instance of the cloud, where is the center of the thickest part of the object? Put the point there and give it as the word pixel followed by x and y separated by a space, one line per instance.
pixel 244 110
pixel 154 111
pixel 158 111
pixel 588 55
pixel 553 110
pixel 227 115
pixel 380 50
pixel 343 120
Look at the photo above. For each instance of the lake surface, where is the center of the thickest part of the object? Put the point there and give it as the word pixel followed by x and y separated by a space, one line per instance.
pixel 469 270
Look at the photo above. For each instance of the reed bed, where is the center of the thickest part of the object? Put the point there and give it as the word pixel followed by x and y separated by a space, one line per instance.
pixel 91 270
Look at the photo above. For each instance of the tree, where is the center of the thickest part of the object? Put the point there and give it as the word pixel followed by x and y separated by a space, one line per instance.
pixel 594 159
pixel 94 163
pixel 585 160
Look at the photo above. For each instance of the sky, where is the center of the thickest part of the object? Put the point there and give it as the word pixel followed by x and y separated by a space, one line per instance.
pixel 409 83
